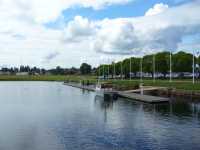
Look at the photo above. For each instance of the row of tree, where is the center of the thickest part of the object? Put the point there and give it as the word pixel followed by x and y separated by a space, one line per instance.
pixel 84 69
pixel 160 62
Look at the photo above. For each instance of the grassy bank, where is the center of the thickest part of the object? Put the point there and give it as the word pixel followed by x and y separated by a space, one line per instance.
pixel 75 78
pixel 176 84
pixel 119 84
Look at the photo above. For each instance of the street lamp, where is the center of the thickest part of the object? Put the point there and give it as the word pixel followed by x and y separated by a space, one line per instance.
pixel 130 68
pixel 108 68
pixel 108 71
pixel 104 71
pixel 154 68
pixel 122 70
pixel 141 72
pixel 114 71
pixel 193 68
pixel 170 66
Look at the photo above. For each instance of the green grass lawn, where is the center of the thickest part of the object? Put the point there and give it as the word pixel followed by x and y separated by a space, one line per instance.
pixel 185 84
pixel 74 78
pixel 177 84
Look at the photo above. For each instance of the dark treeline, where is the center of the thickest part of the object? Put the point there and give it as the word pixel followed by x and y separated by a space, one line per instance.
pixel 27 70
pixel 182 64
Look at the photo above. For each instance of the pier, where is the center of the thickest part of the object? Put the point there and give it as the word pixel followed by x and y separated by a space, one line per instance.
pixel 84 87
pixel 143 98
pixel 125 94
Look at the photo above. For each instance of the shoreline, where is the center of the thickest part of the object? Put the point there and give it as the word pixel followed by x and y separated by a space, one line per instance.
pixel 130 95
pixel 177 88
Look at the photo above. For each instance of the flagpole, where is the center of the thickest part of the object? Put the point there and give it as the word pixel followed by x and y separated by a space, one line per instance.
pixel 170 66
pixel 104 71
pixel 141 73
pixel 193 68
pixel 130 69
pixel 121 70
pixel 114 70
pixel 108 71
pixel 154 68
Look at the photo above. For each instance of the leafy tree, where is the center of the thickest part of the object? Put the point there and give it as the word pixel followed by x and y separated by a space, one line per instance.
pixel 85 68
pixel 148 64
pixel 182 62
pixel 126 68
pixel 135 65
pixel 198 67
pixel 162 62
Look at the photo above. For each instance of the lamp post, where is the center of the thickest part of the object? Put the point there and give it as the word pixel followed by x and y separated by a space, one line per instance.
pixel 114 71
pixel 99 72
pixel 108 68
pixel 104 71
pixel 130 68
pixel 170 80
pixel 141 73
pixel 108 71
pixel 154 68
pixel 198 54
pixel 121 70
pixel 193 69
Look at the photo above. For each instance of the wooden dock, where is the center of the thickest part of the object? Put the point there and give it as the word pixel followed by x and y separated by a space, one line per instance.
pixel 144 98
pixel 89 88
pixel 129 95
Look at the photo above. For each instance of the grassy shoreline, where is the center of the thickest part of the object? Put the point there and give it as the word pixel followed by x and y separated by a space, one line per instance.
pixel 45 78
pixel 185 84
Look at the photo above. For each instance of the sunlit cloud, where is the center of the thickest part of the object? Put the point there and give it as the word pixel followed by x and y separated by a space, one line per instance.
pixel 162 28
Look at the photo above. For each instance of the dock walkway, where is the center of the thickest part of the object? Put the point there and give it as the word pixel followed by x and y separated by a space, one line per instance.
pixel 84 87
pixel 143 98
pixel 129 95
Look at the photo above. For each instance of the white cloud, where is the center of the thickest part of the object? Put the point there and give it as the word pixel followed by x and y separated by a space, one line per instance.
pixel 78 29
pixel 24 39
pixel 115 36
pixel 43 11
pixel 162 31
pixel 157 9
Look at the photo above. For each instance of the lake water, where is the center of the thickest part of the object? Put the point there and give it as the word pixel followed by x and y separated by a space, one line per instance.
pixel 52 116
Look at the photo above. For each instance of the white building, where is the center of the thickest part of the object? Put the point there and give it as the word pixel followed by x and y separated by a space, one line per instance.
pixel 22 73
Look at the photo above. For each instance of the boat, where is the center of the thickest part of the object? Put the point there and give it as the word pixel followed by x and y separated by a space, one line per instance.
pixel 105 93
pixel 99 90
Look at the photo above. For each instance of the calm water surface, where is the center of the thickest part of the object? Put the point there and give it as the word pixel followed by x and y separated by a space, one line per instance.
pixel 52 116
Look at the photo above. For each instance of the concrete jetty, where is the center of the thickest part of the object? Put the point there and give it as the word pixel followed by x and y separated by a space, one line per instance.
pixel 143 98
pixel 129 95
pixel 84 87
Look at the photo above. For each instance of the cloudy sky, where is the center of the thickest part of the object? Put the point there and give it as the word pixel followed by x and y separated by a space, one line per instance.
pixel 48 33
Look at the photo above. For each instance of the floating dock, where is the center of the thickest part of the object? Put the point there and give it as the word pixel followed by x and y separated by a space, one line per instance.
pixel 143 98
pixel 84 87
pixel 129 95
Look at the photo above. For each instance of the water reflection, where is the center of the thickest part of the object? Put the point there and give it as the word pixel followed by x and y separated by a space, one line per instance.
pixel 51 116
pixel 104 105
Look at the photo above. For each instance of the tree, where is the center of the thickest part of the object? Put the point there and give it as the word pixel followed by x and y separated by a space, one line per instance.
pixel 198 66
pixel 148 64
pixel 162 62
pixel 182 62
pixel 85 68
pixel 126 68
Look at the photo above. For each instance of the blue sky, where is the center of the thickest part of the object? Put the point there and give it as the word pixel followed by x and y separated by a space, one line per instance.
pixel 132 9
pixel 49 33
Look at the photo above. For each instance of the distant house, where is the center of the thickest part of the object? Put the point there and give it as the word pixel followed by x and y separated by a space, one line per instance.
pixel 5 73
pixel 22 73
